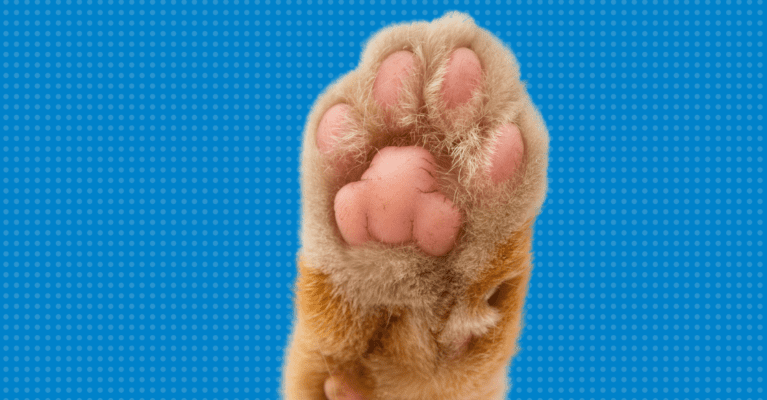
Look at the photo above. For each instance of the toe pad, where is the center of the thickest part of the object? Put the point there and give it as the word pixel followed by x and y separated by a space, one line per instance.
pixel 506 153
pixel 391 76
pixel 463 75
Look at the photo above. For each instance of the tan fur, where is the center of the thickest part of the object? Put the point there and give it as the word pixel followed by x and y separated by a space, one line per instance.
pixel 390 312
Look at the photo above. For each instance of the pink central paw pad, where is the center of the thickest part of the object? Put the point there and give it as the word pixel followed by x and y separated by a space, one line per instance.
pixel 397 202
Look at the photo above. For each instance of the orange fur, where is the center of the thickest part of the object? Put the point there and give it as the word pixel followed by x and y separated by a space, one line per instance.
pixel 395 352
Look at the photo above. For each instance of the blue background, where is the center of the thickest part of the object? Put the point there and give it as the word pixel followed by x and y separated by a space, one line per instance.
pixel 149 192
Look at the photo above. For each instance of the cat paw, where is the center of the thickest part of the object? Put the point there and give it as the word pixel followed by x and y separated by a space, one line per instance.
pixel 422 173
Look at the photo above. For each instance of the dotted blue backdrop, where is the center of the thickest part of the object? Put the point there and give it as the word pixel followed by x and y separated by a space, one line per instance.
pixel 149 192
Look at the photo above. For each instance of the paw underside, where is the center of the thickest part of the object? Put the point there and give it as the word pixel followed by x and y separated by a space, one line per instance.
pixel 422 172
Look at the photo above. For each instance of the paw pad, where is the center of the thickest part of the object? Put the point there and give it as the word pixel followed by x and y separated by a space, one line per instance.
pixel 396 202
pixel 462 78
pixel 391 76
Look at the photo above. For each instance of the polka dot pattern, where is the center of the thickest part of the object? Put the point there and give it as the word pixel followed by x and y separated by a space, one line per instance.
pixel 149 196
